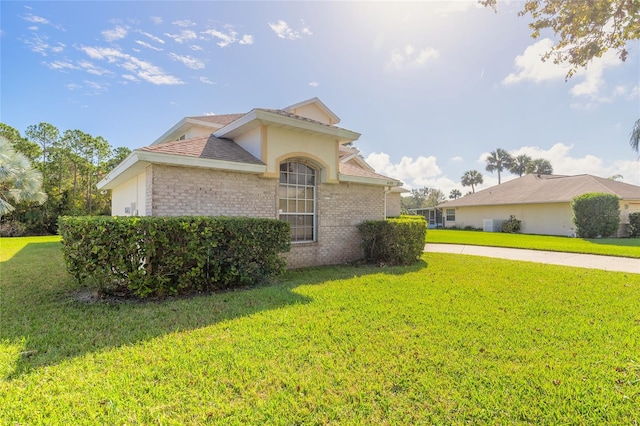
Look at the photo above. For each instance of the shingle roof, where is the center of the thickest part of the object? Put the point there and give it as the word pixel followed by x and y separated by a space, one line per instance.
pixel 533 188
pixel 208 147
pixel 298 117
pixel 222 119
pixel 353 170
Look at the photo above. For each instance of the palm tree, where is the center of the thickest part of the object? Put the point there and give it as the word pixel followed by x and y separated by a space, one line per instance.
pixel 519 165
pixel 540 166
pixel 499 160
pixel 455 194
pixel 19 181
pixel 472 178
pixel 634 138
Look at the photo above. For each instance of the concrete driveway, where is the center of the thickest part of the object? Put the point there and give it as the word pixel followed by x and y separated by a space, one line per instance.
pixel 593 261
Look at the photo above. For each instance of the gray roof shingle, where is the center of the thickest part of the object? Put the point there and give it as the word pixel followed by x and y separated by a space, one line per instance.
pixel 208 147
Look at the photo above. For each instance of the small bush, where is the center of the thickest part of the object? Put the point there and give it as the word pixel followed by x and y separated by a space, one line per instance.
pixel 12 228
pixel 159 256
pixel 393 241
pixel 511 225
pixel 634 224
pixel 596 214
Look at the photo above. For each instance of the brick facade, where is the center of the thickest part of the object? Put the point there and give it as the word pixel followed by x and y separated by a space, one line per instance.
pixel 183 191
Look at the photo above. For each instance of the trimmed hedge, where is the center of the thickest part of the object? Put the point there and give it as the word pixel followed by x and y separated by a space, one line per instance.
pixel 159 256
pixel 634 224
pixel 398 241
pixel 596 214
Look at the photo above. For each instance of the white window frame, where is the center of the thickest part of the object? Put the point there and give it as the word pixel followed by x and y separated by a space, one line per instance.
pixel 298 200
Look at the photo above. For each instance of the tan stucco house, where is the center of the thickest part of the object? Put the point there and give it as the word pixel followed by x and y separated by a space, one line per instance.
pixel 541 202
pixel 292 164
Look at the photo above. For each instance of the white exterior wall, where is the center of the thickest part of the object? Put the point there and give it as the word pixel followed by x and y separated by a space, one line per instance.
pixel 251 142
pixel 544 219
pixel 313 112
pixel 132 191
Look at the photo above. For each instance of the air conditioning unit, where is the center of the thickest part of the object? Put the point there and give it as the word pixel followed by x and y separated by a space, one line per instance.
pixel 492 225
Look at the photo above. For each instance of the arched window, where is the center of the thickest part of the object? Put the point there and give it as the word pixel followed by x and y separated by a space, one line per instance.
pixel 297 199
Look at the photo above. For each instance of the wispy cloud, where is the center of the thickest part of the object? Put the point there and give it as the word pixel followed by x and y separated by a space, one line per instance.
pixel 206 80
pixel 36 19
pixel 142 69
pixel 151 36
pixel 185 35
pixel 246 39
pixel 410 57
pixel 62 65
pixel 148 46
pixel 156 20
pixel 185 23
pixel 225 39
pixel 283 30
pixel 188 61
pixel 93 69
pixel 114 34
pixel 314 84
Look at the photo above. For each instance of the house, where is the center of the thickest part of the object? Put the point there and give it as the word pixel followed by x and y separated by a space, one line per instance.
pixel 293 164
pixel 541 202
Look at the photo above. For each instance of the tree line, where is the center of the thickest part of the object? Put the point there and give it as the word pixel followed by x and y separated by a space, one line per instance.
pixel 71 163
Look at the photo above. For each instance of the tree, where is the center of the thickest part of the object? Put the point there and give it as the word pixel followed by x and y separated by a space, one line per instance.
pixel 540 166
pixel 455 194
pixel 634 137
pixel 472 178
pixel 45 135
pixel 584 29
pixel 19 181
pixel 20 144
pixel 519 165
pixel 435 197
pixel 499 160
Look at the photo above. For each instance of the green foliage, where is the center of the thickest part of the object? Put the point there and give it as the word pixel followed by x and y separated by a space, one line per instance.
pixel 499 160
pixel 393 241
pixel 472 178
pixel 511 225
pixel 596 214
pixel 158 256
pixel 12 228
pixel 634 224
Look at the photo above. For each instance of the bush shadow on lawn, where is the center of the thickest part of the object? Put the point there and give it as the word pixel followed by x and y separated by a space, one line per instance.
pixel 46 318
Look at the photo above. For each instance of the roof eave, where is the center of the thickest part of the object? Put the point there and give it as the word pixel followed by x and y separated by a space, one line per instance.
pixel 369 180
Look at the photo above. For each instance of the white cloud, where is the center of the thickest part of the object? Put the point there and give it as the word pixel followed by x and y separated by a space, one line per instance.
pixel 142 69
pixel 206 80
pixel 411 172
pixel 156 20
pixel 185 35
pixel 62 65
pixel 38 44
pixel 409 57
pixel 196 48
pixel 129 77
pixel 92 69
pixel 115 34
pixel 188 61
pixel 35 19
pixel 314 84
pixel 148 46
pixel 185 23
pixel 58 48
pixel 73 86
pixel 97 87
pixel 152 37
pixel 246 39
pixel 225 39
pixel 529 65
pixel 457 159
pixel 283 30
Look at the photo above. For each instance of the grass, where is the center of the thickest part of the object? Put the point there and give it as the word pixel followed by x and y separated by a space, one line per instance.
pixel 622 247
pixel 451 340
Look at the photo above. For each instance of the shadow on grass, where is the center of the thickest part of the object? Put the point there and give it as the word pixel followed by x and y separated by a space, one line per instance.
pixel 620 242
pixel 44 321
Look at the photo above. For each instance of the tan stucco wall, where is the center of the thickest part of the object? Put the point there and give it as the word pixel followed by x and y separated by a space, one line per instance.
pixel 283 144
pixel 313 112
pixel 132 191
pixel 546 219
pixel 197 131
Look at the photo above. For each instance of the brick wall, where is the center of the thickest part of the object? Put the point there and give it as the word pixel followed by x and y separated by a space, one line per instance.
pixel 183 191
pixel 340 208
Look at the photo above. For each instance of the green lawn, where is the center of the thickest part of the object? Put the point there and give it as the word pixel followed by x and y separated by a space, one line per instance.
pixel 452 340
pixel 623 247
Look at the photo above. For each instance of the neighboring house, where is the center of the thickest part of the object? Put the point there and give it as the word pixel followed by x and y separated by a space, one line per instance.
pixel 291 164
pixel 541 202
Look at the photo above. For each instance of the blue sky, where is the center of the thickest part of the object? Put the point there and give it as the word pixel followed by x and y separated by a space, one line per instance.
pixel 431 86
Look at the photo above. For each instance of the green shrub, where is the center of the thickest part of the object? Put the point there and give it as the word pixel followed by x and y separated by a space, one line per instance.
pixel 393 241
pixel 596 214
pixel 158 256
pixel 511 225
pixel 634 224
